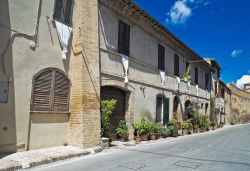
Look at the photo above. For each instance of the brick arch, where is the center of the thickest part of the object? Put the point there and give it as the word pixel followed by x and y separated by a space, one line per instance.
pixel 129 101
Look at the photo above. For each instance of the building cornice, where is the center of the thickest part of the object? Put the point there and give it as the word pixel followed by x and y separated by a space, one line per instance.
pixel 130 10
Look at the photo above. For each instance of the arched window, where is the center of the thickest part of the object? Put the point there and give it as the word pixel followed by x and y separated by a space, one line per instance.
pixel 50 91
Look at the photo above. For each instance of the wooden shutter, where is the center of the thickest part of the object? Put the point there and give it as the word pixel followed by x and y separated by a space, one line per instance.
pixel 63 11
pixel 61 92
pixel 123 38
pixel 207 81
pixel 68 12
pixel 161 58
pixel 50 91
pixel 196 75
pixel 159 106
pixel 166 111
pixel 176 65
pixel 58 10
pixel 42 92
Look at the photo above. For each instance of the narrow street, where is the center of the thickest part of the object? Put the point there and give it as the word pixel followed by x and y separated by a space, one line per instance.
pixel 224 149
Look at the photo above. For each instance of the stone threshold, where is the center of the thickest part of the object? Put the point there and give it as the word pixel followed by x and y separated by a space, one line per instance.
pixel 33 158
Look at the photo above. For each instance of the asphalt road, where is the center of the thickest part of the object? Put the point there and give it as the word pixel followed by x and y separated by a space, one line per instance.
pixel 225 149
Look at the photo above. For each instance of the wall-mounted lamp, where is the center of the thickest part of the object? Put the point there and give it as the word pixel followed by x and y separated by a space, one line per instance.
pixel 10 78
pixel 142 88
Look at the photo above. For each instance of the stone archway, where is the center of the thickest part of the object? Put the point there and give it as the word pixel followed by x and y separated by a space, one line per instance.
pixel 177 108
pixel 107 93
pixel 186 113
pixel 129 101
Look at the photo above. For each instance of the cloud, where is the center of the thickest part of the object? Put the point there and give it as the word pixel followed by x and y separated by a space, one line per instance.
pixel 243 80
pixel 179 13
pixel 182 10
pixel 236 53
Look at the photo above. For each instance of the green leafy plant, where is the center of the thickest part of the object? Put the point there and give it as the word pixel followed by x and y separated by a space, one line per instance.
pixel 164 132
pixel 187 124
pixel 107 108
pixel 174 126
pixel 122 130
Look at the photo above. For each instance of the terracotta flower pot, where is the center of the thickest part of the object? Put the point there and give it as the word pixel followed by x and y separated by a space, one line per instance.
pixel 144 137
pixel 137 139
pixel 153 136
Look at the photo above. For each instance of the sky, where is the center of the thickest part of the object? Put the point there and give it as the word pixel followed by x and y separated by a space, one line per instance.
pixel 212 28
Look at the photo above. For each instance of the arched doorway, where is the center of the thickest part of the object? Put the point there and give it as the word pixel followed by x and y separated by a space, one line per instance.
pixel 176 110
pixel 109 92
pixel 188 106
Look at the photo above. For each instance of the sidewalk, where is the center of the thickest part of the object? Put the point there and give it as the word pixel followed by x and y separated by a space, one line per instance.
pixel 28 159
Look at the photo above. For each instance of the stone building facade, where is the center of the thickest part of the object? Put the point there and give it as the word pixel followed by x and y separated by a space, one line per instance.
pixel 46 100
pixel 127 33
pixel 240 105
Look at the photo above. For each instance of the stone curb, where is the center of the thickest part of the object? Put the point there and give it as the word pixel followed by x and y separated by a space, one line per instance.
pixel 9 164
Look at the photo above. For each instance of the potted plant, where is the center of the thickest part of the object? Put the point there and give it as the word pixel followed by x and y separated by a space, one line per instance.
pixel 154 131
pixel 174 127
pixel 164 132
pixel 107 108
pixel 187 126
pixel 122 131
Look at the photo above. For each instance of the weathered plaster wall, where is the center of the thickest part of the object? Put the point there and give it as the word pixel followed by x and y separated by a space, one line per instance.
pixel 22 63
pixel 143 62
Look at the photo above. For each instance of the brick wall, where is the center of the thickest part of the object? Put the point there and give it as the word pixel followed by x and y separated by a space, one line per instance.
pixel 84 123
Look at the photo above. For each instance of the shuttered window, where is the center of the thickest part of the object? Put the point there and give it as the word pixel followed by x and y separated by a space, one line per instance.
pixel 50 91
pixel 207 81
pixel 162 109
pixel 123 38
pixel 196 75
pixel 63 11
pixel 176 65
pixel 161 57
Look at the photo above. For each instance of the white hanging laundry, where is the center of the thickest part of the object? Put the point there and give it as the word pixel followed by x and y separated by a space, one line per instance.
pixel 197 90
pixel 125 65
pixel 64 33
pixel 178 81
pixel 189 86
pixel 162 74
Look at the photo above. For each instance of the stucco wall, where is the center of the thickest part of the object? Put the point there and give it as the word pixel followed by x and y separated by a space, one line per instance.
pixel 143 72
pixel 143 46
pixel 22 64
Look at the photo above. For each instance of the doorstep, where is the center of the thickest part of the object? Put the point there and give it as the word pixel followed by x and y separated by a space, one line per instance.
pixel 28 159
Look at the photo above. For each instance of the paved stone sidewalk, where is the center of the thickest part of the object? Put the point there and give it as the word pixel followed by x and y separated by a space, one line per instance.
pixel 28 159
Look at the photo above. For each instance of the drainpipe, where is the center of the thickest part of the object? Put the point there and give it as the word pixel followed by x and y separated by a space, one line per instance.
pixel 35 40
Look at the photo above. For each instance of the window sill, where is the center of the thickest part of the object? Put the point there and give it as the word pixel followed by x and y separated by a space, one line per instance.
pixel 49 112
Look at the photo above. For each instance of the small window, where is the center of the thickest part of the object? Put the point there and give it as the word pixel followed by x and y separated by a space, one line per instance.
pixel 162 110
pixel 215 88
pixel 187 64
pixel 196 75
pixel 123 38
pixel 161 57
pixel 176 65
pixel 206 81
pixel 63 11
pixel 50 91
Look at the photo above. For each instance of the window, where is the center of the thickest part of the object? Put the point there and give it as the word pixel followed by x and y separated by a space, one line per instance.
pixel 176 65
pixel 63 11
pixel 162 110
pixel 196 75
pixel 187 64
pixel 206 81
pixel 50 91
pixel 215 88
pixel 123 38
pixel 161 57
